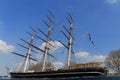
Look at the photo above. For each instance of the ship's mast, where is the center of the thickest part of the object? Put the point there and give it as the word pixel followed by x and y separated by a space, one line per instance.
pixel 28 54
pixel 70 40
pixel 47 41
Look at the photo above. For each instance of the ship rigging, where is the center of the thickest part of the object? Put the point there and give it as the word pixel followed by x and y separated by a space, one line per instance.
pixel 70 70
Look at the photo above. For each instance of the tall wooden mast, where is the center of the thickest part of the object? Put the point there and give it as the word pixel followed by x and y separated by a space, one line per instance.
pixel 29 50
pixel 48 40
pixel 28 53
pixel 70 40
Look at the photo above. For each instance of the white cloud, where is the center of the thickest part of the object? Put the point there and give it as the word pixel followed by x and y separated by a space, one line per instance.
pixel 53 45
pixel 112 1
pixel 98 58
pixel 58 65
pixel 38 56
pixel 5 48
pixel 19 65
pixel 86 57
pixel 82 54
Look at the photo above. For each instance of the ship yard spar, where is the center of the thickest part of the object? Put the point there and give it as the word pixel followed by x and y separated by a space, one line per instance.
pixel 27 56
pixel 29 49
pixel 70 41
pixel 67 72
pixel 47 42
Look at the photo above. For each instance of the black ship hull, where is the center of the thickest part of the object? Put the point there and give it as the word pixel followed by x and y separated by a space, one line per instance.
pixel 60 73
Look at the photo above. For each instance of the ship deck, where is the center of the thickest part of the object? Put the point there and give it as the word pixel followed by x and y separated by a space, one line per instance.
pixel 60 73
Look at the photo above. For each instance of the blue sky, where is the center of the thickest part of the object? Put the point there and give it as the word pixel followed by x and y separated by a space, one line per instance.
pixel 99 17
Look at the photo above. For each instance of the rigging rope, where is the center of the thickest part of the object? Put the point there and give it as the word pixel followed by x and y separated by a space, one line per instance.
pixel 90 39
pixel 92 42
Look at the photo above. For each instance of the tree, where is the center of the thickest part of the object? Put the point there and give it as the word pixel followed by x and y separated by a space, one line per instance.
pixel 112 62
pixel 38 66
pixel 72 65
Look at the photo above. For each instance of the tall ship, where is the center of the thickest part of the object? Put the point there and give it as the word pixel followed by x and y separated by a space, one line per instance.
pixel 70 69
